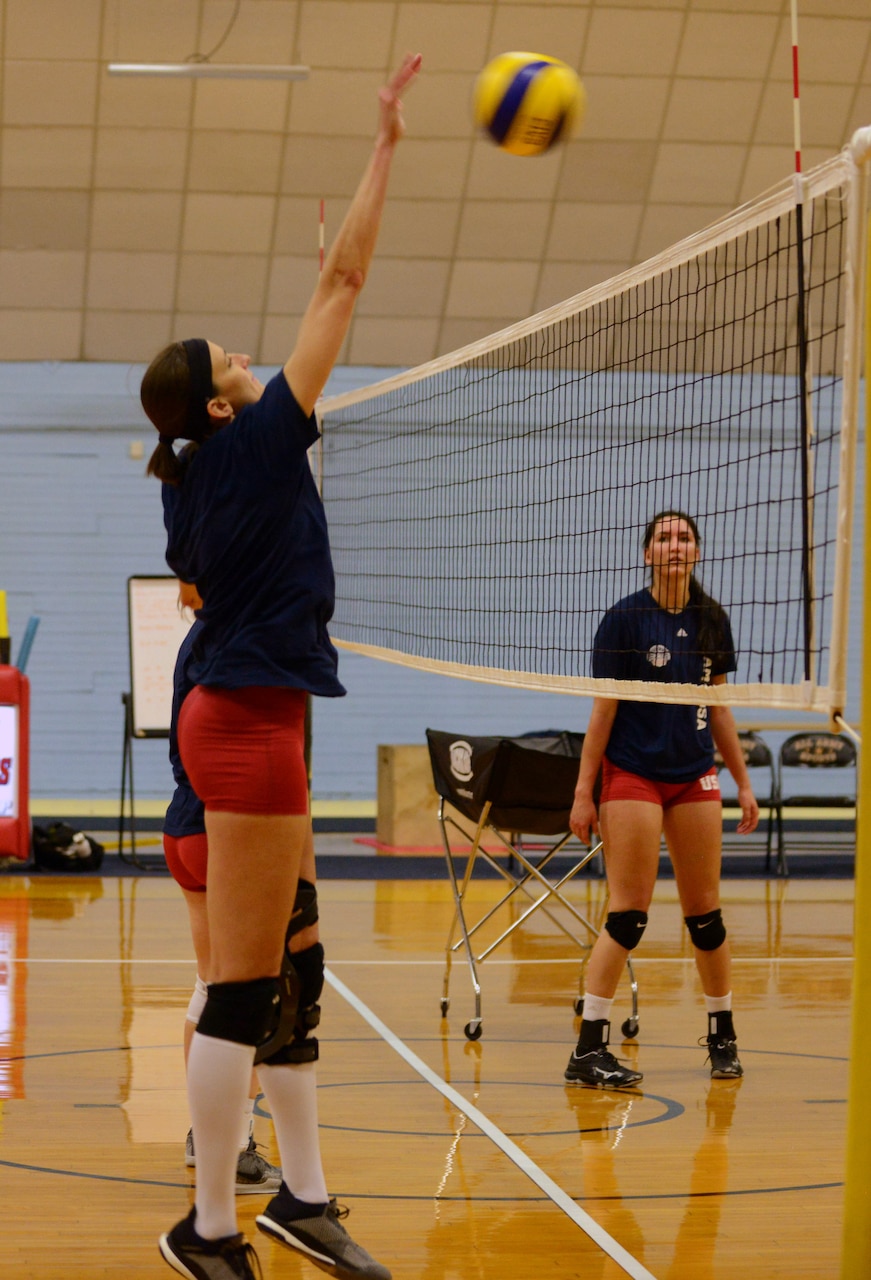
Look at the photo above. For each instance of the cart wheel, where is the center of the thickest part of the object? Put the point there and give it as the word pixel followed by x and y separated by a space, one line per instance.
pixel 445 1005
pixel 579 1005
pixel 473 1030
pixel 630 1028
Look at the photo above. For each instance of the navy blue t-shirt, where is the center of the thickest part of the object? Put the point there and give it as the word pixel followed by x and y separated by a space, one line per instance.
pixel 186 815
pixel 247 526
pixel 637 640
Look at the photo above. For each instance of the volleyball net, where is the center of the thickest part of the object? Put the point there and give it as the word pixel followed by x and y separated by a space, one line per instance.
pixel 486 508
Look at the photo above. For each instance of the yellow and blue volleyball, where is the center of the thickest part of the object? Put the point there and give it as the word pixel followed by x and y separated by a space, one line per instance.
pixel 527 102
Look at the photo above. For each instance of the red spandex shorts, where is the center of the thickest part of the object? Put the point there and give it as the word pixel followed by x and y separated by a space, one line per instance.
pixel 619 784
pixel 243 749
pixel 187 857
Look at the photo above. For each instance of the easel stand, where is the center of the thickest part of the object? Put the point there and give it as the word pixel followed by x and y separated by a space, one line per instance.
pixel 126 819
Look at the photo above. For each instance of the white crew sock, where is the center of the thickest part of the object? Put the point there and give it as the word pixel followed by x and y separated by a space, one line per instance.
pixel 291 1092
pixel 597 1008
pixel 719 1004
pixel 219 1076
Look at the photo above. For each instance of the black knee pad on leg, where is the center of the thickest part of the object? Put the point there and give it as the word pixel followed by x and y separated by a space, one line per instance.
pixel 708 931
pixel 243 1012
pixel 303 1046
pixel 626 927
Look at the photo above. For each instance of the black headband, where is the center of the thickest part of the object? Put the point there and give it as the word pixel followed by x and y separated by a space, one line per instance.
pixel 201 389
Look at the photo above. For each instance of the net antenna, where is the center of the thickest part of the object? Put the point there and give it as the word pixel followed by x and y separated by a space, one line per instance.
pixel 805 417
pixel 488 507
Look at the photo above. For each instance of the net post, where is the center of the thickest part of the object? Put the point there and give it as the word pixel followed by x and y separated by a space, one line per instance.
pixel 856 1251
pixel 849 426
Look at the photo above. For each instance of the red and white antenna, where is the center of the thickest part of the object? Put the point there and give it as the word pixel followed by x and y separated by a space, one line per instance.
pixel 796 99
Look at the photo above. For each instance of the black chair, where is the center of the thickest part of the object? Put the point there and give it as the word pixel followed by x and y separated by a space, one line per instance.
pixel 815 750
pixel 759 759
pixel 504 788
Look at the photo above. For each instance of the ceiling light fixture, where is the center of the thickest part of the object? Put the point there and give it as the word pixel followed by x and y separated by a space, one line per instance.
pixel 208 70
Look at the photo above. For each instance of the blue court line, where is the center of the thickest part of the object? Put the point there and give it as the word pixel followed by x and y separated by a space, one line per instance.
pixel 588 1225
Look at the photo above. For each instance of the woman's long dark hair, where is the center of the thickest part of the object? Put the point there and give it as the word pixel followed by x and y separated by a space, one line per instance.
pixel 712 619
pixel 165 394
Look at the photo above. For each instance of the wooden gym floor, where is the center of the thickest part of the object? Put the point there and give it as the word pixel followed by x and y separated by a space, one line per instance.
pixel 460 1161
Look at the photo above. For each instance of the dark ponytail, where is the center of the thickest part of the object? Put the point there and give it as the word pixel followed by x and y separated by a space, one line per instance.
pixel 713 624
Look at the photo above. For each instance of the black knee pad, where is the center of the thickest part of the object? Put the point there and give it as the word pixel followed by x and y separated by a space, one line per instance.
pixel 243 1012
pixel 626 927
pixel 303 1047
pixel 707 932
pixel 305 908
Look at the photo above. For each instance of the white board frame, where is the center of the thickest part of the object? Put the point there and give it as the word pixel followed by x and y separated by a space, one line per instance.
pixel 157 627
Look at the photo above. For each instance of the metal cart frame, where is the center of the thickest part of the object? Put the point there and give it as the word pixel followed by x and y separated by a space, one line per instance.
pixel 519 786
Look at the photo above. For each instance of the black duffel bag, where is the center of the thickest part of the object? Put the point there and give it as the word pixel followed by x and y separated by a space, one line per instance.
pixel 58 847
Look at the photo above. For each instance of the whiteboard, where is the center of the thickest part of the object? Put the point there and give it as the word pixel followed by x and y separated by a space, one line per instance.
pixel 157 629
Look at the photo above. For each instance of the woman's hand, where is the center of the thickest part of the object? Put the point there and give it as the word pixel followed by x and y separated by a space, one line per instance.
pixel 392 125
pixel 583 819
pixel 749 810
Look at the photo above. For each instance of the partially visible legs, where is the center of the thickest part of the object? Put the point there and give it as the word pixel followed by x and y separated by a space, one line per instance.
pixel 631 834
pixel 254 1174
pixel 253 865
pixel 694 833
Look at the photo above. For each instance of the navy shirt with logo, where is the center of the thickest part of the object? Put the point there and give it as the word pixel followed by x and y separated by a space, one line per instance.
pixel 637 640
pixel 247 526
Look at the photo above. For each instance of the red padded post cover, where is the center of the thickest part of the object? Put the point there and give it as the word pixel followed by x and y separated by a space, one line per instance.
pixel 14 764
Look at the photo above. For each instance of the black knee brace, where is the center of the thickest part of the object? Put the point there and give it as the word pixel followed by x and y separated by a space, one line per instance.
pixel 707 932
pixel 243 1012
pixel 305 908
pixel 284 1018
pixel 626 927
pixel 307 967
pixel 303 1046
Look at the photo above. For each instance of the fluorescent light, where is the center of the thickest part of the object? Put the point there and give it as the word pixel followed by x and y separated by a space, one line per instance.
pixel 208 70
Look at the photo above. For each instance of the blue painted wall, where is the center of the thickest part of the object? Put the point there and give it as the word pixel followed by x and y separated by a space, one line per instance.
pixel 78 517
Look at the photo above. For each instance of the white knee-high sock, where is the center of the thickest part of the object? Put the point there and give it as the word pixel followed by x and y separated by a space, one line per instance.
pixel 219 1073
pixel 291 1092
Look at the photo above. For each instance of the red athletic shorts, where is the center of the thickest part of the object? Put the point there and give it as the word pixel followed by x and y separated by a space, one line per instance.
pixel 244 749
pixel 186 857
pixel 619 784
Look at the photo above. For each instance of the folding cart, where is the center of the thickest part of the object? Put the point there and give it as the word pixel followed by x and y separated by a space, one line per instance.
pixel 509 788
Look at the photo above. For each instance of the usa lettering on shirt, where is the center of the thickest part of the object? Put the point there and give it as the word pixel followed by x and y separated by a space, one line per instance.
pixel 702 712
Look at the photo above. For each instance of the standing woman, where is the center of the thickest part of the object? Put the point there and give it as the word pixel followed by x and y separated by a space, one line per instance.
pixel 658 777
pixel 245 524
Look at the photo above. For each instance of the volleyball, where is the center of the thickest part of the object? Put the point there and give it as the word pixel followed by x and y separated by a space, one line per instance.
pixel 527 102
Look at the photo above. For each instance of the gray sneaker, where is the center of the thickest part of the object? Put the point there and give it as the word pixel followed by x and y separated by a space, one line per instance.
pixel 254 1174
pixel 316 1232
pixel 231 1258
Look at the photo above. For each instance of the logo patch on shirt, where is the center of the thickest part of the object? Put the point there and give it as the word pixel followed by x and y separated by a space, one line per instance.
pixel 658 655
pixel 682 633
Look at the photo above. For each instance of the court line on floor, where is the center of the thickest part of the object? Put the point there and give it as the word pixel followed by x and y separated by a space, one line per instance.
pixel 66 961
pixel 588 1225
